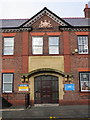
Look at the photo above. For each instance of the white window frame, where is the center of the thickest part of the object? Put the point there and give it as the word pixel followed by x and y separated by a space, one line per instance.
pixel 37 45
pixel 83 44
pixel 84 84
pixel 8 47
pixel 11 82
pixel 53 45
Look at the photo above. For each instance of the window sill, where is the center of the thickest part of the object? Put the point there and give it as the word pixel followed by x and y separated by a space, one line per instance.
pixel 7 93
pixel 84 93
pixel 83 53
pixel 7 56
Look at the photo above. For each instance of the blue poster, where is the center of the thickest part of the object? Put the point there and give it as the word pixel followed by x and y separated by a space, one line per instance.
pixel 69 87
pixel 23 85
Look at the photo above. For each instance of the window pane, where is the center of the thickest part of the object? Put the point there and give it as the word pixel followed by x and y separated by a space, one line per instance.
pixel 83 44
pixel 8 50
pixel 8 78
pixel 53 50
pixel 37 50
pixel 85 81
pixel 81 49
pixel 85 86
pixel 79 42
pixel 37 45
pixel 84 76
pixel 53 45
pixel 7 87
pixel 53 40
pixel 8 41
pixel 37 41
pixel 8 46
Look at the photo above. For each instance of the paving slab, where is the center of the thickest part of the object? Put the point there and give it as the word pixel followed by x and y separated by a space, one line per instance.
pixel 59 112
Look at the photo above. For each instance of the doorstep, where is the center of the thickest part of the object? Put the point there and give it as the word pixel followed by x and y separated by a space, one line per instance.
pixel 45 105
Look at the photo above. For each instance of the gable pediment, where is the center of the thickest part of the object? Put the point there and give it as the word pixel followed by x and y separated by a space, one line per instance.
pixel 45 23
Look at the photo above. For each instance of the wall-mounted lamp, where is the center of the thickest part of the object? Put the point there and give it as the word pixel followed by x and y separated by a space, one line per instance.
pixel 70 77
pixel 23 79
pixel 75 51
pixel 26 79
pixel 65 77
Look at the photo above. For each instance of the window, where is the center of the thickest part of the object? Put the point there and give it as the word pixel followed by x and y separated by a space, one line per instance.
pixel 8 46
pixel 83 44
pixel 7 82
pixel 85 81
pixel 37 45
pixel 53 45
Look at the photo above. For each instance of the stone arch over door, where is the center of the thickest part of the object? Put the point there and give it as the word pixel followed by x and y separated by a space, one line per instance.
pixel 45 72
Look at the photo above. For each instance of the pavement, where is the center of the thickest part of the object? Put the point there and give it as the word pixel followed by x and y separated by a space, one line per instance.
pixel 46 112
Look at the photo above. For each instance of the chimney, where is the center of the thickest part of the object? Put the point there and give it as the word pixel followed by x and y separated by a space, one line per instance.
pixel 87 11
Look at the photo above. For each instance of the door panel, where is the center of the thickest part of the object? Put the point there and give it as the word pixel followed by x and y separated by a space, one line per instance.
pixel 46 89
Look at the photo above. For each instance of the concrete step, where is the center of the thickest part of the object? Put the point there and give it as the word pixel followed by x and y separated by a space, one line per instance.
pixel 45 105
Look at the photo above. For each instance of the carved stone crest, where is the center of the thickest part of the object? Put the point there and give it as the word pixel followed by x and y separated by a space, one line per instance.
pixel 45 24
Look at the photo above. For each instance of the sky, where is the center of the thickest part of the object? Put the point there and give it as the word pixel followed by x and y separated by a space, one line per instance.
pixel 18 9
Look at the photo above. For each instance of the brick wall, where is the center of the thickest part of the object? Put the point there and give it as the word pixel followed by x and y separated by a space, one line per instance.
pixel 18 63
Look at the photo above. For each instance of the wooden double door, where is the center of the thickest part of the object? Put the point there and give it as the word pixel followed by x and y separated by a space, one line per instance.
pixel 46 89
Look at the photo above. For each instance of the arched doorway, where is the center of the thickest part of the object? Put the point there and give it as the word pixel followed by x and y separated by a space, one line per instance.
pixel 46 89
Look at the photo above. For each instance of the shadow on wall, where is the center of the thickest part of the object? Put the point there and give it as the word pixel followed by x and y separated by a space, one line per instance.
pixel 5 103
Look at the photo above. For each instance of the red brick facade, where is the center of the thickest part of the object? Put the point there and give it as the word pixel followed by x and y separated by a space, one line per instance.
pixel 73 62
